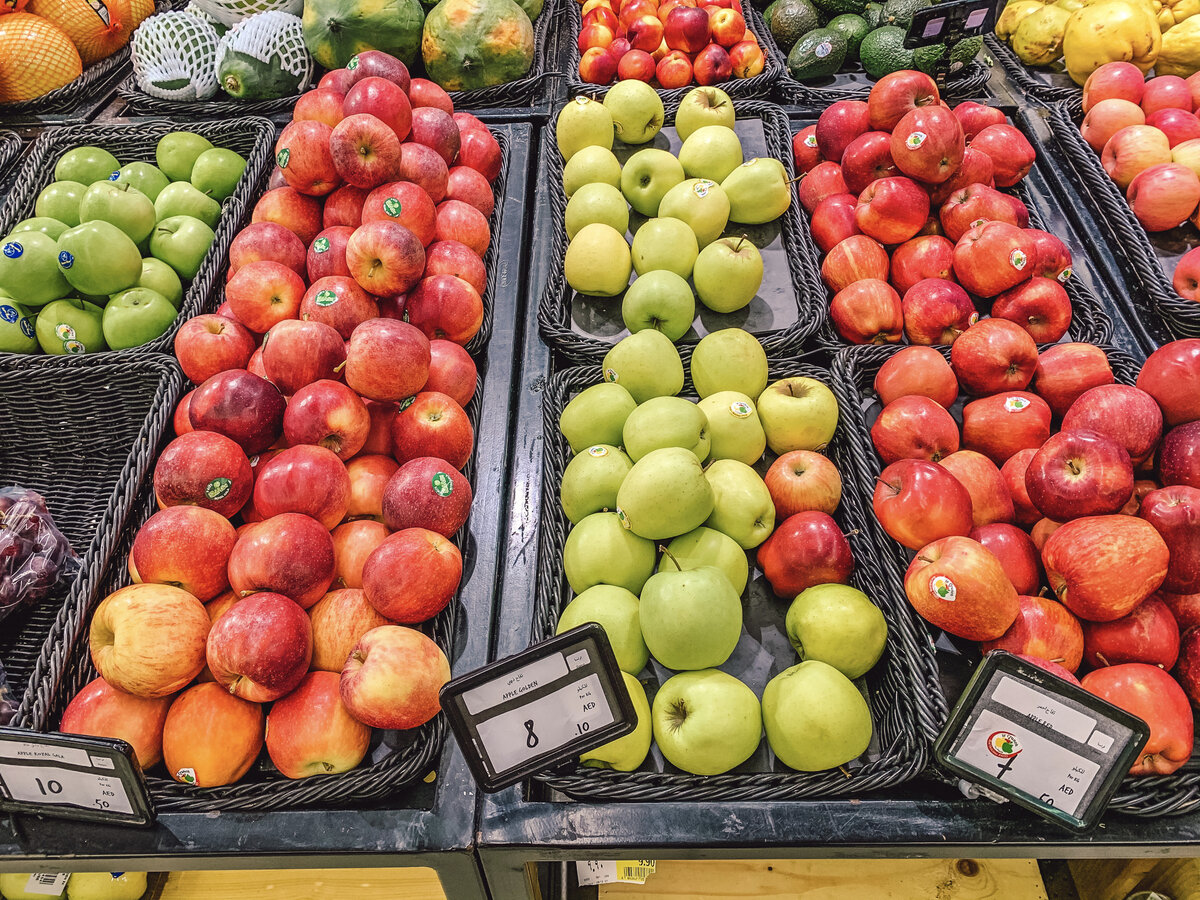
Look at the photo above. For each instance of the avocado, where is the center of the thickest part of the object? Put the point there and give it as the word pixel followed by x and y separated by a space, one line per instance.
pixel 790 20
pixel 833 8
pixel 873 15
pixel 961 54
pixel 818 54
pixel 882 52
pixel 900 12
pixel 854 28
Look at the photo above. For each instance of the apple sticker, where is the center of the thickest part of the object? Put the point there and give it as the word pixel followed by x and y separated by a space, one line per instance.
pixel 915 140
pixel 943 588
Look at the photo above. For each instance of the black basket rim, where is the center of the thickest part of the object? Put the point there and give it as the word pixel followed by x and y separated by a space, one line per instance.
pixel 1024 77
pixel 10 148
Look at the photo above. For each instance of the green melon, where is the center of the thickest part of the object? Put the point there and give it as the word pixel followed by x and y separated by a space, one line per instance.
pixel 469 44
pixel 335 30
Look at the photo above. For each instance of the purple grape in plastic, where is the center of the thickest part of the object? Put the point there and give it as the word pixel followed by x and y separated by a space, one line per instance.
pixel 8 592
pixel 43 571
pixel 13 548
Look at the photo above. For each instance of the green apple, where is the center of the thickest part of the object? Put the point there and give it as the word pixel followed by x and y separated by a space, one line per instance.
pixel 617 611
pixel 583 122
pixel 98 258
pixel 596 415
pixel 711 151
pixel 182 242
pixel 798 413
pixel 702 204
pixel 46 225
pixel 29 270
pixel 70 326
pixel 137 316
pixel 60 200
pixel 691 618
pixel 665 495
pixel 216 172
pixel 177 152
pixel 16 327
pixel 121 205
pixel 182 199
pixel 838 625
pixel 742 505
pixel 660 300
pixel 106 886
pixel 637 111
pixel 146 178
pixel 647 176
pixel 597 203
pixel 703 106
pixel 728 273
pixel 646 364
pixel 706 722
pixel 815 717
pixel 708 547
pixel 591 165
pixel 597 261
pixel 160 277
pixel 626 753
pixel 601 550
pixel 733 427
pixel 759 191
pixel 665 244
pixel 729 360
pixel 590 481
pixel 86 165
pixel 12 886
pixel 666 422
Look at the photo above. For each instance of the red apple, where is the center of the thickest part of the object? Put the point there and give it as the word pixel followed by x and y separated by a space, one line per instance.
pixel 1166 92
pixel 306 479
pixel 1179 456
pixel 446 307
pixel 387 360
pixel 994 355
pixel 303 153
pixel 1079 473
pixel 1126 414
pixel 1004 424
pixel 458 221
pixel 1178 125
pixel 993 257
pixel 1044 629
pixel 1053 257
pixel 1141 487
pixel 1148 635
pixel 1153 696
pixel 451 371
pixel 242 406
pixel 344 207
pixel 319 104
pixel 412 575
pixel 1041 306
pixel 297 212
pixel 914 427
pixel 204 469
pixel 976 168
pixel 804 550
pixel 339 302
pixel 839 125
pixel 1171 375
pixel 266 240
pixel 974 117
pixel 263 293
pixel 855 258
pixel 365 150
pixel 916 370
pixel 1065 371
pixel 867 158
pixel 1164 195
pixel 481 151
pixel 937 311
pixel 1132 150
pixel 674 70
pixel 425 168
pixel 1012 154
pixel 928 144
pixel 289 554
pixel 833 221
pixel 184 546
pixel 436 129
pixel 337 80
pixel 1013 471
pixel 310 731
pixel 377 64
pixel 927 256
pixel 330 415
pixel 427 493
pixel 1017 553
pixel 1114 79
pixel 990 500
pixel 456 258
pixel 296 354
pixel 385 258
pixel 208 344
pixel 645 33
pixel 712 65
pixel 1186 277
pixel 686 28
pixel 823 180
pixel 976 203
pixel 805 151
pixel 892 210
pixel 1108 117
pixel 392 678
pixel 432 424
pixel 896 94
pixel 382 98
pixel 1174 511
pixel 181 422
pixel 803 480
pixel 353 544
pixel 1052 667
pixel 957 585
pixel 260 649
pixel 100 710
pixel 1185 608
pixel 211 738
pixel 327 254
pixel 339 620
pixel 465 184
pixel 917 502
pixel 868 311
pixel 404 203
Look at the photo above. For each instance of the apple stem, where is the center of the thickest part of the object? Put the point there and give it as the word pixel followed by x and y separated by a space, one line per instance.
pixel 741 240
pixel 1100 656
pixel 671 556
pixel 797 178
pixel 845 771
pixel 925 559
pixel 338 368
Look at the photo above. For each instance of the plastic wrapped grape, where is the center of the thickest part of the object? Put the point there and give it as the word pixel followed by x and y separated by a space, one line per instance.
pixel 34 554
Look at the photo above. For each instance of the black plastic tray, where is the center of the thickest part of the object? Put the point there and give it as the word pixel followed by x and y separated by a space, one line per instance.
pixel 1046 83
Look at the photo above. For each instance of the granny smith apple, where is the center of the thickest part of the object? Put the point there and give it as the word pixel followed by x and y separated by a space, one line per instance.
pixel 637 111
pixel 691 618
pixel 597 261
pixel 216 172
pixel 666 422
pixel 182 242
pixel 86 165
pixel 591 165
pixel 594 203
pixel 121 205
pixel 742 505
pixel 160 277
pixel 712 152
pixel 647 176
pixel 706 722
pixel 590 481
pixel 106 886
pixel 46 225
pixel 728 273
pixel 729 360
pixel 664 243
pixel 758 191
pixel 733 427
pixel 182 199
pixel 708 547
pixel 600 550
pixel 136 316
pixel 70 326
pixel 146 178
pixel 616 610
pixel 60 200
pixel 583 123
pixel 16 328
pixel 98 258
pixel 665 495
pixel 700 203
pixel 646 364
pixel 596 415
pixel 626 753
pixel 703 106
pixel 798 413
pixel 177 152
pixel 29 270
pixel 660 300
pixel 838 625
pixel 815 717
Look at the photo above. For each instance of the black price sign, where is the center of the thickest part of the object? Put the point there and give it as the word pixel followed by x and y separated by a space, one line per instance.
pixel 72 777
pixel 540 707
pixel 949 22
pixel 1040 741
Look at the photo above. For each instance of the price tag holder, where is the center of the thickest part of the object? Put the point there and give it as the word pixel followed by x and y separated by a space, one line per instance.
pixel 538 708
pixel 1038 740
pixel 950 22
pixel 72 777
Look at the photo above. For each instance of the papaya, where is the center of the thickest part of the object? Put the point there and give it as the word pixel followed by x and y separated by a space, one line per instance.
pixel 470 44
pixel 335 30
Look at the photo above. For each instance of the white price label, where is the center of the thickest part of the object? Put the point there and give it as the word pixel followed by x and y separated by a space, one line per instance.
pixel 608 871
pixel 48 883
pixel 57 786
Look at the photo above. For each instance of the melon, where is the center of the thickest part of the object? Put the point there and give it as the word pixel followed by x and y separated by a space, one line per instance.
pixel 336 30
pixel 36 57
pixel 97 28
pixel 469 44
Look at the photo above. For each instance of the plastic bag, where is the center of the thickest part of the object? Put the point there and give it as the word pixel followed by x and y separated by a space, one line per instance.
pixel 33 552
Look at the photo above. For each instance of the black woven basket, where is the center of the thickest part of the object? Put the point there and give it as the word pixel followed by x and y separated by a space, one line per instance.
pixel 1181 316
pixel 1046 84
pixel 757 87
pixel 905 705
pixel 95 81
pixel 82 433
pixel 10 149
pixel 253 138
pixel 535 85
pixel 139 103
pixel 804 279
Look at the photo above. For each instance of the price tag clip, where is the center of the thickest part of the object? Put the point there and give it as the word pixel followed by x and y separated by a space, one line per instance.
pixel 948 23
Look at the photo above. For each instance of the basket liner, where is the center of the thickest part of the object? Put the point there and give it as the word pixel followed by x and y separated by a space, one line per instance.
pixel 901 689
pixel 1045 84
pixel 795 299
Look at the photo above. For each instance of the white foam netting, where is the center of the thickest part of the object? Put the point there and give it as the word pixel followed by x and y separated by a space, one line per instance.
pixel 272 37
pixel 176 47
pixel 233 11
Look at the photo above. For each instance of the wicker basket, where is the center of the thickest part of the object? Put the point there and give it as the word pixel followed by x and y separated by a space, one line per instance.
pixel 1046 85
pixel 10 149
pixel 803 284
pixel 906 705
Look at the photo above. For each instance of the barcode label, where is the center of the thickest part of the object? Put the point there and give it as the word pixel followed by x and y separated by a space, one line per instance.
pixel 48 883
pixel 625 871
